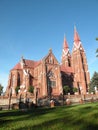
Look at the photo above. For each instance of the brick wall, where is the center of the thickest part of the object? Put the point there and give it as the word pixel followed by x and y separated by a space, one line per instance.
pixel 72 98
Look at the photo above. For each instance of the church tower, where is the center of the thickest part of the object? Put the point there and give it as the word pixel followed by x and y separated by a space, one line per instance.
pixel 66 57
pixel 80 66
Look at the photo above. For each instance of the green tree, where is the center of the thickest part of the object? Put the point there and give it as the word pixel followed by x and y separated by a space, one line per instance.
pixel 1 89
pixel 93 82
pixel 97 52
pixel 31 89
pixel 96 38
pixel 75 89
pixel 66 90
pixel 97 48
pixel 16 89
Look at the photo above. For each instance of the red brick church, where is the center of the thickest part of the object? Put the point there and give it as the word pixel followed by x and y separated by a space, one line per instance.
pixel 48 76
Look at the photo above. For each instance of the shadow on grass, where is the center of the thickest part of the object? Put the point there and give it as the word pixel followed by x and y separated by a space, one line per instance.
pixel 20 115
pixel 65 118
pixel 61 124
pixel 33 112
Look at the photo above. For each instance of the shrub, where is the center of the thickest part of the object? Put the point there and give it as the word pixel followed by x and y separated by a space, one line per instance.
pixel 31 89
pixel 16 89
pixel 1 89
pixel 66 89
pixel 75 89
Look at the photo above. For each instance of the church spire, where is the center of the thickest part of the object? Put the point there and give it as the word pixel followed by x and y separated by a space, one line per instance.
pixel 76 35
pixel 79 65
pixel 77 40
pixel 65 46
pixel 66 57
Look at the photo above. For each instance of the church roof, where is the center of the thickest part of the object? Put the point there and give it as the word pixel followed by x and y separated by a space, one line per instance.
pixel 31 63
pixel 27 63
pixel 66 69
pixel 65 45
pixel 17 67
pixel 76 37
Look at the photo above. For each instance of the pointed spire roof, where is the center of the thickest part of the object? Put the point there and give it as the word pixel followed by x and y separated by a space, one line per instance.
pixel 77 41
pixel 76 36
pixel 65 45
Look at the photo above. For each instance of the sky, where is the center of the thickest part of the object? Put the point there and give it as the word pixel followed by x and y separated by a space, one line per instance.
pixel 29 28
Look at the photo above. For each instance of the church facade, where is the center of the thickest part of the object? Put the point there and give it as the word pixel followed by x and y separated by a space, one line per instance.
pixel 47 76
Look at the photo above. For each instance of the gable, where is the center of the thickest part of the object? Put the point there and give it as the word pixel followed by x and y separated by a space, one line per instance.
pixel 50 58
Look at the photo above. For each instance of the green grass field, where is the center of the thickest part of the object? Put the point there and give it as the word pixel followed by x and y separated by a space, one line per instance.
pixel 80 117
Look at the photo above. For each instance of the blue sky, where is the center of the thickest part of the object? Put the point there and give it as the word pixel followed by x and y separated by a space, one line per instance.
pixel 30 28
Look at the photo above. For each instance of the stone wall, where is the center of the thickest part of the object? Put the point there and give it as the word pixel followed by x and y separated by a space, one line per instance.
pixel 72 99
pixel 5 102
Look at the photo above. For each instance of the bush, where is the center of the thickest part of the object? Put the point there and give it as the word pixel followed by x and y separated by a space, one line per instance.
pixel 1 89
pixel 31 89
pixel 75 89
pixel 16 89
pixel 66 89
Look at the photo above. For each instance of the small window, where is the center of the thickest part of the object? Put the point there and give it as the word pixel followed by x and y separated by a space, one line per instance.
pixel 52 84
pixel 69 63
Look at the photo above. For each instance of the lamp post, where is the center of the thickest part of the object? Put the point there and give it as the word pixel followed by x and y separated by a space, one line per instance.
pixel 10 95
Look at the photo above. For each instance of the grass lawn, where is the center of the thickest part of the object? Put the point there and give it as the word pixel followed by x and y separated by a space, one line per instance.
pixel 80 117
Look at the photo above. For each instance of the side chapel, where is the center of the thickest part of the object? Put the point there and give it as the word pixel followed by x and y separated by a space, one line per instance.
pixel 47 76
